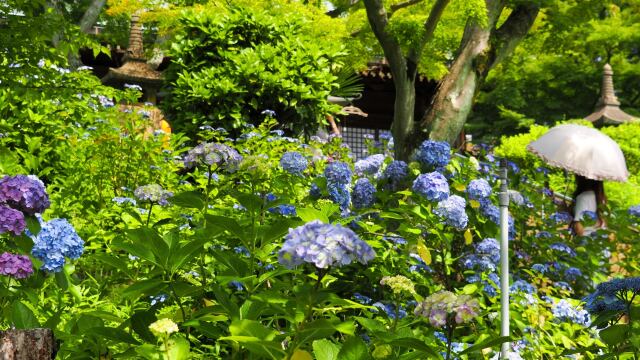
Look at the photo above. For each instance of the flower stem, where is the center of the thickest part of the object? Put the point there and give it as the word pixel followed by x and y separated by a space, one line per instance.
pixel 149 214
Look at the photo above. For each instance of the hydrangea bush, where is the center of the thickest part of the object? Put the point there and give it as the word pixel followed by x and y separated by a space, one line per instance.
pixel 267 246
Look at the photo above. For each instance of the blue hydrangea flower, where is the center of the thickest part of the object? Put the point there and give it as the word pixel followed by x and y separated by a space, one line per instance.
pixel 369 165
pixel 323 245
pixel 492 213
pixel 561 247
pixel 572 274
pixel 339 194
pixel 362 299
pixel 561 217
pixel 396 173
pixel 634 211
pixel 486 256
pixel 478 189
pixel 433 154
pixel 432 186
pixel 338 172
pixel 293 162
pixel 390 310
pixel 153 193
pixel 541 268
pixel 589 215
pixel 565 312
pixel 522 286
pixel 284 209
pixel 25 193
pixel 453 211
pixel 56 240
pixel 221 155
pixel 124 200
pixel 516 197
pixel 314 191
pixel 363 193
pixel 543 234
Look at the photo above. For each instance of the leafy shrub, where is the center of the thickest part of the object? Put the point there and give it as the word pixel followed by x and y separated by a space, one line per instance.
pixel 229 69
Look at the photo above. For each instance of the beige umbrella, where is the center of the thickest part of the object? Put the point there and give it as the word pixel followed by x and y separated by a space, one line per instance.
pixel 582 150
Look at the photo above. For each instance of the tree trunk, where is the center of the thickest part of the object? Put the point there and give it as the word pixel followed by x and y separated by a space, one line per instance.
pixel 481 49
pixel 86 22
pixel 403 115
pixel 34 344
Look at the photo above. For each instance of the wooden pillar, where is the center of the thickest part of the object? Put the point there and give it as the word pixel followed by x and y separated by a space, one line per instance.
pixel 32 344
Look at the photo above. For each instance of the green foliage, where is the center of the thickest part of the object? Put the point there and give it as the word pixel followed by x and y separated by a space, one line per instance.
pixel 228 69
pixel 556 72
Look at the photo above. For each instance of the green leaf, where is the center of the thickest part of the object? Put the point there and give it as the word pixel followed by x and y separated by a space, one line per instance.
pixel 140 322
pixel 114 334
pixel 33 224
pixel 143 287
pixel 354 349
pixel 614 334
pixel 413 343
pixel 178 348
pixel 189 199
pixel 179 257
pixel 309 214
pixel 226 223
pixel 317 329
pixel 252 328
pixel 112 261
pixel 325 350
pixel 486 344
pixel 22 316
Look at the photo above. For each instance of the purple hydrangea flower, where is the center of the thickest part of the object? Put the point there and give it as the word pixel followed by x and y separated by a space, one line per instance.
pixel 432 186
pixel 24 193
pixel 293 162
pixel 433 154
pixel 153 193
pixel 56 240
pixel 11 220
pixel 572 274
pixel 323 245
pixel 363 193
pixel 369 165
pixel 478 189
pixel 452 210
pixel 338 172
pixel 396 172
pixel 210 154
pixel 16 266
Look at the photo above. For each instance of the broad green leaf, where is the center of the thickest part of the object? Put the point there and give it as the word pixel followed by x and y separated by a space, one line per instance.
pixel 309 214
pixel 354 349
pixel 325 350
pixel 114 334
pixel 22 316
pixel 251 328
pixel 413 343
pixel 614 334
pixel 424 252
pixel 301 355
pixel 188 199
pixel 491 342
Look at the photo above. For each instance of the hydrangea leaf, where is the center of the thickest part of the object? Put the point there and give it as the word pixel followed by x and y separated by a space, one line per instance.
pixel 424 252
pixel 468 237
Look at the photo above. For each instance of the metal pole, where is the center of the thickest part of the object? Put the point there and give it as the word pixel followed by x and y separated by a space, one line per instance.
pixel 503 198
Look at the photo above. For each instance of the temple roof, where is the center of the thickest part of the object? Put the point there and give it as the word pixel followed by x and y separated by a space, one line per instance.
pixel 135 69
pixel 607 111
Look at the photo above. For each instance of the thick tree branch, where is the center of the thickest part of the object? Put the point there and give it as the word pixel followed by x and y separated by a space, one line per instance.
pixel 395 7
pixel 429 28
pixel 514 29
pixel 91 15
pixel 378 20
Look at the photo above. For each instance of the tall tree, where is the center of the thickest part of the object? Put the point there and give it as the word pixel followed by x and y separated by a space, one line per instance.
pixel 482 47
pixel 486 31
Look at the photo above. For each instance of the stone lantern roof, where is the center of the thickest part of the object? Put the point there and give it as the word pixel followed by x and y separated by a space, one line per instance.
pixel 607 111
pixel 135 70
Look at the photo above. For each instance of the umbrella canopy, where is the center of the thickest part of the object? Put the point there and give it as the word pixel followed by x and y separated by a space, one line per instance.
pixel 582 150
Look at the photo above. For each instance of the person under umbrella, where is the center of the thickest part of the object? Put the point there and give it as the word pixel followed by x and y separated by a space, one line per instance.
pixel 589 199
